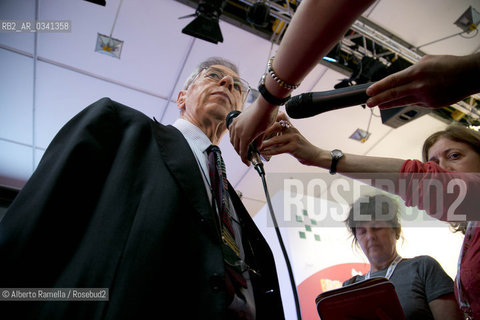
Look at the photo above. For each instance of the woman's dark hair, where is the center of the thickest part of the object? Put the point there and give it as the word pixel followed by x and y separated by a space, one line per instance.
pixel 455 132
pixel 373 208
pixel 459 226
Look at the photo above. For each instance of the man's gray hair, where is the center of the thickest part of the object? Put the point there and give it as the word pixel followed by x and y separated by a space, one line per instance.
pixel 207 63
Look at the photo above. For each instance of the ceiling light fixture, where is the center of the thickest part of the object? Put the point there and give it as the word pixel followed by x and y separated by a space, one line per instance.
pixel 108 45
pixel 360 135
pixel 469 20
pixel 206 24
pixel 258 14
pixel 99 2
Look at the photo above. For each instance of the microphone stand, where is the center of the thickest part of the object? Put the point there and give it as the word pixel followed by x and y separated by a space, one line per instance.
pixel 258 165
pixel 254 156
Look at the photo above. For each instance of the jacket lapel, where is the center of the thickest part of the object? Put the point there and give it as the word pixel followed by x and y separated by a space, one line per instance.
pixel 181 162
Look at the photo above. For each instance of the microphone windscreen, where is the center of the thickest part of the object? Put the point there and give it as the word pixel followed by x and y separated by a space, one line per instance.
pixel 310 104
pixel 230 116
pixel 297 105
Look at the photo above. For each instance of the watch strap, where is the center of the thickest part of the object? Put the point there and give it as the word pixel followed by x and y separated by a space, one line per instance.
pixel 271 98
pixel 336 156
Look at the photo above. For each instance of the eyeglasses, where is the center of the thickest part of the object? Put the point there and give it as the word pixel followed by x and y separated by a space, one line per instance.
pixel 240 86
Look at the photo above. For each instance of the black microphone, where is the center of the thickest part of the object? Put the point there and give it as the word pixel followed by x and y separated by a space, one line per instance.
pixel 253 154
pixel 309 104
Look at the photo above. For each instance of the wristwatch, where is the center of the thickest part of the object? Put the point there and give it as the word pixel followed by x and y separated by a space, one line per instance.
pixel 336 156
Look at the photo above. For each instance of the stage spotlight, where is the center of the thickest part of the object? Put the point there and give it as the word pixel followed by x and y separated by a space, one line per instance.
pixel 335 55
pixel 343 84
pixel 205 26
pixel 258 14
pixel 99 2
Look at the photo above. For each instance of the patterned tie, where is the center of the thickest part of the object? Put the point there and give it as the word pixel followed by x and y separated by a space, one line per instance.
pixel 219 183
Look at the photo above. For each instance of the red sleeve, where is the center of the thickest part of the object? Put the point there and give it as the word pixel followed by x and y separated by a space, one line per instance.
pixel 445 195
pixel 416 166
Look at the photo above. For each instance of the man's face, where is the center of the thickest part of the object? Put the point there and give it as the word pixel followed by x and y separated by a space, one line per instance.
pixel 215 92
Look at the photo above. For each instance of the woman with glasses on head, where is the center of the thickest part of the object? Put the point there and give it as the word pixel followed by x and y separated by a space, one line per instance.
pixel 424 289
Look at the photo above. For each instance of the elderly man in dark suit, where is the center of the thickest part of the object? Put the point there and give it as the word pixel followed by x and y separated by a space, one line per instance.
pixel 122 202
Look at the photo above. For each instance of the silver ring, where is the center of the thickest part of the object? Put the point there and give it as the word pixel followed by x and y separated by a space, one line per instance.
pixel 285 124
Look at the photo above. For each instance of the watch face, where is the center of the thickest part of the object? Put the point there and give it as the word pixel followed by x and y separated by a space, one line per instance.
pixel 337 153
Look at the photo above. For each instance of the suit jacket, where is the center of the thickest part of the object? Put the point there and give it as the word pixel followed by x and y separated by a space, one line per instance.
pixel 118 202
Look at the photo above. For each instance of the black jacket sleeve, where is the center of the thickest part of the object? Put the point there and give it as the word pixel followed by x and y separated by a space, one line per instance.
pixel 54 207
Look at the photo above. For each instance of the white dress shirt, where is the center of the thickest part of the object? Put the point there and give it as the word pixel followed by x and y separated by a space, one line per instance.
pixel 199 143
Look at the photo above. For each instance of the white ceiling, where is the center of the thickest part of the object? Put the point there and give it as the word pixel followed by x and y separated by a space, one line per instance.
pixel 37 99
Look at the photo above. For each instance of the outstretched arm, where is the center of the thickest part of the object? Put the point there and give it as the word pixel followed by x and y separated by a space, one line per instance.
pixel 434 82
pixel 411 179
pixel 290 140
pixel 313 31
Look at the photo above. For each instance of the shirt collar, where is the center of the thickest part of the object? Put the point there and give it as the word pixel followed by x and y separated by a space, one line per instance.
pixel 193 134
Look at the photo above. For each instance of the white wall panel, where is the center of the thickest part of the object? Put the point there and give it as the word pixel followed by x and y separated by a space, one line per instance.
pixel 17 10
pixel 420 22
pixel 63 93
pixel 15 164
pixel 153 43
pixel 16 97
pixel 406 141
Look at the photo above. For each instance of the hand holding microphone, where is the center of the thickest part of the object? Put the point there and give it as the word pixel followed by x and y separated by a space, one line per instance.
pixel 283 137
pixel 253 154
pixel 250 126
pixel 301 106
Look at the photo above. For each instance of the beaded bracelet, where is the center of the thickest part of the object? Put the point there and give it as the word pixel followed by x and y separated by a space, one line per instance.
pixel 277 79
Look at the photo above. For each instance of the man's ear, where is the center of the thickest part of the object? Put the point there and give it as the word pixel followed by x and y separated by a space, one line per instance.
pixel 182 95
